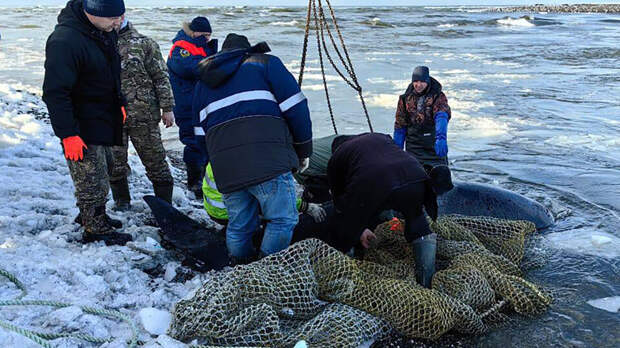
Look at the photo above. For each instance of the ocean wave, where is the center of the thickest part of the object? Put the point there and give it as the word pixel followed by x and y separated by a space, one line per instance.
pixel 377 22
pixel 286 9
pixel 286 24
pixel 466 126
pixel 524 21
pixel 382 100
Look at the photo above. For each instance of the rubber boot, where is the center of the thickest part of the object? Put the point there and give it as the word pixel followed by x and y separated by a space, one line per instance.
pixel 97 228
pixel 113 222
pixel 164 190
pixel 120 193
pixel 424 250
pixel 195 174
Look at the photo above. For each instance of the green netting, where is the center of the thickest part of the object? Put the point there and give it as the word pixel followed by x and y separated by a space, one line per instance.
pixel 313 292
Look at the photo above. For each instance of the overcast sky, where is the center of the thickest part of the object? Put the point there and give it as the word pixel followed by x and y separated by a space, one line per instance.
pixel 130 3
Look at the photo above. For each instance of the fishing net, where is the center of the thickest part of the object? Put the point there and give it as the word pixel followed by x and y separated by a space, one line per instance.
pixel 313 292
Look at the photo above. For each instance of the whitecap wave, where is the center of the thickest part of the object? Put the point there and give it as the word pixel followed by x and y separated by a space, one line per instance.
pixel 516 22
pixel 286 24
pixel 382 100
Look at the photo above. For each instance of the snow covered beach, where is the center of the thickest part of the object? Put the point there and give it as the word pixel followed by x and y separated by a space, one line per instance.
pixel 39 242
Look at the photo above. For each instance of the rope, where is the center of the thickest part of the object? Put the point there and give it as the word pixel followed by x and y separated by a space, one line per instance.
pixel 42 338
pixel 321 24
pixel 493 309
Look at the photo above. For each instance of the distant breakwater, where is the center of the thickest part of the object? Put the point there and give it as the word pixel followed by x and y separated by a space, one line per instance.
pixel 566 8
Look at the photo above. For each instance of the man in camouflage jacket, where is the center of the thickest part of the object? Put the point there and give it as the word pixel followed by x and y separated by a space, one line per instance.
pixel 145 84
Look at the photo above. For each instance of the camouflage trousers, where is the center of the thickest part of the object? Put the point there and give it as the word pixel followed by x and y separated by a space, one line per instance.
pixel 146 139
pixel 90 177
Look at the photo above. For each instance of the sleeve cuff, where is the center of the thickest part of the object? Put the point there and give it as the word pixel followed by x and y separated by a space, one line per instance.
pixel 303 150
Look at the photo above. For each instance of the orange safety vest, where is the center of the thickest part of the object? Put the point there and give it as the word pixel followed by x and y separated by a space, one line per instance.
pixel 189 47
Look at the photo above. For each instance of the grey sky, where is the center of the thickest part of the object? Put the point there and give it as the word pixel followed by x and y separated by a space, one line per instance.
pixel 130 3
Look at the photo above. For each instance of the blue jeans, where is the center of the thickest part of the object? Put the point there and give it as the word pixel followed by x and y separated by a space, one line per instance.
pixel 276 199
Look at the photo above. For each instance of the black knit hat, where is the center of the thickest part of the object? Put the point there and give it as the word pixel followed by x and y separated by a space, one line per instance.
pixel 421 73
pixel 104 8
pixel 234 41
pixel 200 24
pixel 441 179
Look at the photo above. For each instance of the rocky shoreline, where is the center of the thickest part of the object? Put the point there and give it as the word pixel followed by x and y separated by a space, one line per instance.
pixel 565 8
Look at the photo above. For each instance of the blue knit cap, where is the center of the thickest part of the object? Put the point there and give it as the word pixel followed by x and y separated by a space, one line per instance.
pixel 104 8
pixel 421 73
pixel 201 25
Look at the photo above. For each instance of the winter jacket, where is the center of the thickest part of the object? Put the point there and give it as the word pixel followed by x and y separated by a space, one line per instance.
pixel 145 82
pixel 82 87
pixel 420 125
pixel 362 173
pixel 254 115
pixel 183 60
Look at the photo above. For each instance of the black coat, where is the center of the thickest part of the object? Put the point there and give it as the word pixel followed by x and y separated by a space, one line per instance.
pixel 363 173
pixel 82 79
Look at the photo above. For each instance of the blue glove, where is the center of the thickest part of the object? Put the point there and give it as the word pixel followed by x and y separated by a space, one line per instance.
pixel 399 137
pixel 441 134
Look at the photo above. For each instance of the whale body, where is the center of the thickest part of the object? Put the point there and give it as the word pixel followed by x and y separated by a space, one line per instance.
pixel 474 199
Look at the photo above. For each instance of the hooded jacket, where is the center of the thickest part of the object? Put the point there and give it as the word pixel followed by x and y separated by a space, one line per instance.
pixel 82 86
pixel 362 173
pixel 183 68
pixel 254 115
pixel 420 124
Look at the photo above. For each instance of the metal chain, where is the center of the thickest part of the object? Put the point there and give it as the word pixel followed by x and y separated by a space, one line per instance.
pixel 350 65
pixel 318 29
pixel 302 64
pixel 321 25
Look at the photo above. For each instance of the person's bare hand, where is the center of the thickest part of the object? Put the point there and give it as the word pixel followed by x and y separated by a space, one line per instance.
pixel 367 237
pixel 168 119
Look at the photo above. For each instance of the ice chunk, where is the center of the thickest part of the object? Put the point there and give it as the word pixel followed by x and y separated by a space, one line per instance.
pixel 610 304
pixel 598 240
pixel 169 342
pixel 587 241
pixel 155 321
pixel 301 344
pixel 171 271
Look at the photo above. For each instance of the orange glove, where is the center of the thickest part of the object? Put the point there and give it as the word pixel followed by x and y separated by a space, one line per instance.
pixel 74 148
pixel 124 114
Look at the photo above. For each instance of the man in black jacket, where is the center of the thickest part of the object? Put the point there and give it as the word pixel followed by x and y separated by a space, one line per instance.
pixel 369 174
pixel 83 95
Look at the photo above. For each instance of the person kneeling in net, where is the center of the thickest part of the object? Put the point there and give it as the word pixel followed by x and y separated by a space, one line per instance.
pixel 369 174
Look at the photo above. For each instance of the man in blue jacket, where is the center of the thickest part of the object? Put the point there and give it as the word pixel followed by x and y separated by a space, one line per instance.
pixel 258 131
pixel 191 45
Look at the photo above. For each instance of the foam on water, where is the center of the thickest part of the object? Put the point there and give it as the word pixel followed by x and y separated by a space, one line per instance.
pixel 587 241
pixel 596 142
pixel 383 100
pixel 516 22
pixel 286 24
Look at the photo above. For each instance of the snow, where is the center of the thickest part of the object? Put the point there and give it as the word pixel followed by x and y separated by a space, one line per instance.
pixel 155 321
pixel 610 304
pixel 39 243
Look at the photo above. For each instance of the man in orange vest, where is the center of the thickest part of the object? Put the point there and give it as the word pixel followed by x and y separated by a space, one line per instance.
pixel 191 45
